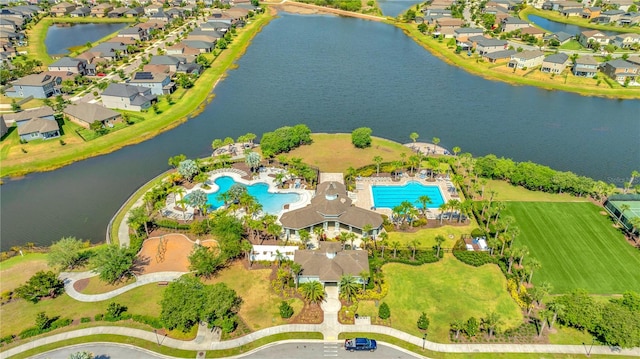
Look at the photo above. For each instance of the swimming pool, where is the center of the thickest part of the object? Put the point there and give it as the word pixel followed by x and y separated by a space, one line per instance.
pixel 391 196
pixel 271 202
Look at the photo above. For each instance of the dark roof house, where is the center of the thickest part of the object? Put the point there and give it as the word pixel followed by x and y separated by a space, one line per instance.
pixel 330 262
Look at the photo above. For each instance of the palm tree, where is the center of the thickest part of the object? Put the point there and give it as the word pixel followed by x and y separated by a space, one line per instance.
pixel 383 242
pixel 312 292
pixel 414 162
pixel 424 200
pixel 247 247
pixel 635 224
pixel 296 270
pixel 413 245
pixel 634 174
pixel 439 240
pixel 454 204
pixel 395 245
pixel 305 237
pixel 342 237
pixel 523 252
pixel 533 265
pixel 378 161
pixel 365 240
pixel 443 208
pixel 457 325
pixel 414 136
pixel 456 150
pixel 623 208
pixel 365 274
pixel 351 237
pixel 348 286
pixel 435 141
pixel 278 178
pixel 557 309
pixel 514 232
pixel 319 232
pixel 491 321
pixel 252 159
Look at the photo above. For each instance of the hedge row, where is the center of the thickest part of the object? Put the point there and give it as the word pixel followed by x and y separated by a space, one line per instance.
pixel 473 258
pixel 168 223
pixel 31 332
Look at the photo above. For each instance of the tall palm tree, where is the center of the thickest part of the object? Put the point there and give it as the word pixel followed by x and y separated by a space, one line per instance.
pixel 543 317
pixel 424 200
pixel 365 241
pixel 296 270
pixel 319 232
pixel 491 321
pixel 351 237
pixel 365 274
pixel 378 161
pixel 635 225
pixel 413 245
pixel 247 247
pixel 342 237
pixel 414 136
pixel 457 325
pixel 439 240
pixel 557 309
pixel 395 245
pixel 383 243
pixel 623 208
pixel 523 252
pixel 454 204
pixel 414 162
pixel 533 265
pixel 456 150
pixel 312 292
pixel 443 209
pixel 435 141
pixel 348 286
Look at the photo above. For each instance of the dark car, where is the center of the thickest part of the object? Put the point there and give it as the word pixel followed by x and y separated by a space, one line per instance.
pixel 360 344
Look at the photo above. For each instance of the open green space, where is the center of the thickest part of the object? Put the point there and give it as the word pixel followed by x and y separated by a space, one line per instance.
pixel 427 237
pixel 508 192
pixel 335 152
pixel 446 291
pixel 574 20
pixel 578 247
pixel 15 271
pixel 195 101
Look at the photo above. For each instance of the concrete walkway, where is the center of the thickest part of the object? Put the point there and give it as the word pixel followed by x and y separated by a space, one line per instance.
pixel 69 278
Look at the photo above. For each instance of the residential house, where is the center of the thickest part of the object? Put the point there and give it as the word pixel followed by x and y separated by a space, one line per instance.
pixel 62 9
pixel 526 59
pixel 596 36
pixel 564 5
pixel 7 51
pixel 80 12
pixel 555 63
pixel 159 83
pixel 152 9
pixel 160 16
pixel 215 26
pixel 462 34
pixel 85 114
pixel 330 263
pixel 437 12
pixel 110 51
pixel 190 68
pixel 608 16
pixel 135 12
pixel 171 61
pixel 623 5
pixel 626 40
pixel 561 37
pixel 512 23
pixel 532 31
pixel 32 124
pixel 175 13
pixel 8 24
pixel 22 117
pixel 634 59
pixel 591 12
pixel 330 209
pixel 449 22
pixel 128 97
pixel 118 12
pixel 70 64
pixel 629 19
pixel 620 70
pixel 485 45
pixel 16 38
pixel 135 32
pixel 195 47
pixel 40 85
pixel 572 12
pixel 101 10
pixel 497 56
pixel 585 66
pixel 236 13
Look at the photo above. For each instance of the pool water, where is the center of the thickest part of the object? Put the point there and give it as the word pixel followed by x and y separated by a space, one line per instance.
pixel 391 196
pixel 271 202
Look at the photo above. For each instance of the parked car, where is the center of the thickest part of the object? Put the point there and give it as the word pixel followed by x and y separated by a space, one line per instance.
pixel 360 344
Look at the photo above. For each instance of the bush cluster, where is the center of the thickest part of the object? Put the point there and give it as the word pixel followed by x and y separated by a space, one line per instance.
pixel 473 258
pixel 33 331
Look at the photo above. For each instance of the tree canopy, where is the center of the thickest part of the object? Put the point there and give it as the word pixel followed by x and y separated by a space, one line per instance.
pixel 42 284
pixel 114 263
pixel 188 169
pixel 65 252
pixel 361 137
pixel 284 139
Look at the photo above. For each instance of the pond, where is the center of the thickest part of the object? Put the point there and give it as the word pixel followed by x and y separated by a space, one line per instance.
pixel 61 37
pixel 554 26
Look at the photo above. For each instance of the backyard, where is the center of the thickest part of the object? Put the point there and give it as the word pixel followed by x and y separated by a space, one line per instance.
pixel 446 291
pixel 577 246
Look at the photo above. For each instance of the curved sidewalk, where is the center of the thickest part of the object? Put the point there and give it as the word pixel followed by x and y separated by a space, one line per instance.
pixel 69 278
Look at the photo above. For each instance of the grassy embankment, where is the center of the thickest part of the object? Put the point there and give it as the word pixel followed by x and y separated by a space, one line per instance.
pixel 577 246
pixel 500 72
pixel 54 156
pixel 573 20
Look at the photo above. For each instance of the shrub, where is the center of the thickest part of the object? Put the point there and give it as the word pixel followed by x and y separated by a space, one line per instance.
pixel 98 317
pixel 384 312
pixel 8 339
pixel 286 311
pixel 151 321
pixel 229 324
pixel 471 327
pixel 423 321
pixel 168 223
pixel 477 232
pixel 361 137
pixel 85 320
pixel 473 258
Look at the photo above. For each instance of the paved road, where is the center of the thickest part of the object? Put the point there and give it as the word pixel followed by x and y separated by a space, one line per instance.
pixel 301 350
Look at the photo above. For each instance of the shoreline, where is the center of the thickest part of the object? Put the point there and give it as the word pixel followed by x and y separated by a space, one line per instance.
pixel 203 89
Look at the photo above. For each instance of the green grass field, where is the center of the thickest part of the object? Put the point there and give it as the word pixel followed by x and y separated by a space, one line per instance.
pixel 577 246
pixel 446 291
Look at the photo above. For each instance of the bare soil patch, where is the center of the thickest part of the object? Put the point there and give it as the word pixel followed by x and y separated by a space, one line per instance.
pixel 165 253
pixel 81 284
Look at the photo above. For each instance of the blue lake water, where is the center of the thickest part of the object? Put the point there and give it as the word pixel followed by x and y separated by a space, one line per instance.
pixel 271 202
pixel 394 8
pixel 391 196
pixel 554 26
pixel 60 38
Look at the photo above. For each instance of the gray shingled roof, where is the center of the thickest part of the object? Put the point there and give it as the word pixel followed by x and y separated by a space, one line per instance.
pixel 560 58
pixel 487 41
pixel 586 60
pixel 165 60
pixel 90 112
pixel 40 125
pixel 44 111
pixel 66 62
pixel 34 80
pixel 503 54
pixel 331 200
pixel 123 90
pixel 621 63
pixel 330 262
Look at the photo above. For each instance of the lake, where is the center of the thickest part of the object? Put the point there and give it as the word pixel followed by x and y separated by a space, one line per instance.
pixel 368 74
pixel 554 26
pixel 61 37
pixel 394 8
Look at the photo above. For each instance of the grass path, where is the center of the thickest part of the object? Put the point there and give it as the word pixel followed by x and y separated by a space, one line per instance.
pixel 577 246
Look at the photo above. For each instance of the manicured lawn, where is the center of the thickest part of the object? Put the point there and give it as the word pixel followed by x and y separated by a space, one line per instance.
pixel 446 291
pixel 15 271
pixel 336 153
pixel 577 246
pixel 427 236
pixel 259 307
pixel 96 286
pixel 572 45
pixel 507 192
pixel 20 315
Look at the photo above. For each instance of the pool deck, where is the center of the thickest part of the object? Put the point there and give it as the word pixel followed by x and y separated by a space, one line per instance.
pixel 362 196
